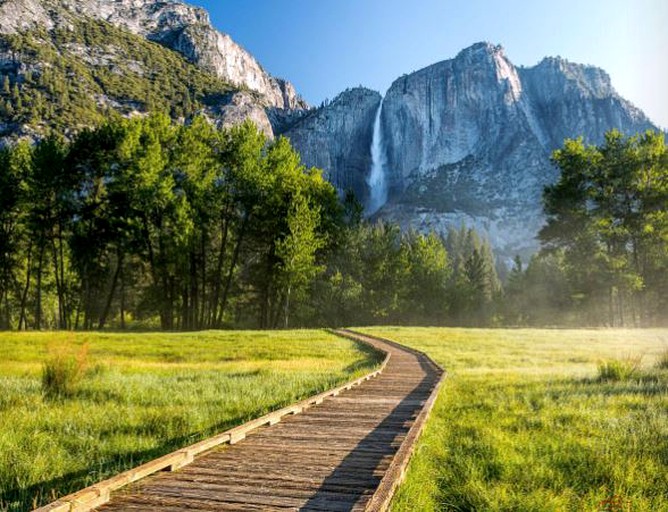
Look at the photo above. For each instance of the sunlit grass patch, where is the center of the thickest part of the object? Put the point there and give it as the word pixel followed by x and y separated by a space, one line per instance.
pixel 525 423
pixel 133 397
pixel 619 369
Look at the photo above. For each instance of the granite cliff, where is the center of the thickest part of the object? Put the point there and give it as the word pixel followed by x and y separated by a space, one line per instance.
pixel 337 138
pixel 181 27
pixel 468 140
pixel 71 61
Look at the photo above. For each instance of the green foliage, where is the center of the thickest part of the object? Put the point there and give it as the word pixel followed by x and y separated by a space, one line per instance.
pixel 607 214
pixel 163 223
pixel 376 274
pixel 475 286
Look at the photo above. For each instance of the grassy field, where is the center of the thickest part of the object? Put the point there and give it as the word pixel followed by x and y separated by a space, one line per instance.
pixel 143 395
pixel 525 423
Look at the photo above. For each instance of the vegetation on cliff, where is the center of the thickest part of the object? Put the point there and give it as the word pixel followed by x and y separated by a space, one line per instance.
pixel 77 76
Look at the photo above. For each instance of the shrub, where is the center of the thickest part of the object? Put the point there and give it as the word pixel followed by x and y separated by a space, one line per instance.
pixel 619 369
pixel 63 372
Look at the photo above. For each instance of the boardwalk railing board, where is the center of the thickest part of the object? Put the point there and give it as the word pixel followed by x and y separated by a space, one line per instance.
pixel 96 495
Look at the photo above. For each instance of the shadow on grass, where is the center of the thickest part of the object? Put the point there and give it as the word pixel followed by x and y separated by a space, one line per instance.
pixel 372 359
pixel 645 384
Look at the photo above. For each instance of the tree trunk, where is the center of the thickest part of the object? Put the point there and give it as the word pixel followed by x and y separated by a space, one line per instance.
pixel 66 307
pixel 265 310
pixel 194 299
pixel 122 312
pixel 23 321
pixel 112 291
pixel 38 301
pixel 287 306
pixel 59 286
pixel 201 315
pixel 230 273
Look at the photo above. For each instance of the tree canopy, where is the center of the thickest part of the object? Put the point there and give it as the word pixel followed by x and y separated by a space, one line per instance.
pixel 608 217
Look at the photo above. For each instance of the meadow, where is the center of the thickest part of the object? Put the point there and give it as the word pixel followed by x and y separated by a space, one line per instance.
pixel 139 396
pixel 542 420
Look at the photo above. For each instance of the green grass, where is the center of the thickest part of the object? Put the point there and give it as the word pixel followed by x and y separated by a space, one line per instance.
pixel 144 395
pixel 662 360
pixel 525 422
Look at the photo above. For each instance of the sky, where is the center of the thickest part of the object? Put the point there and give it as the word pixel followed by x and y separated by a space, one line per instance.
pixel 326 46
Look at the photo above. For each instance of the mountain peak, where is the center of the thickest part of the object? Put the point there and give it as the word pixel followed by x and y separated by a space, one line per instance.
pixel 558 72
pixel 481 47
pixel 468 140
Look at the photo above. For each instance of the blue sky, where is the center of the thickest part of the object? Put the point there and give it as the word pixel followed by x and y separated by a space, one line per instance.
pixel 325 46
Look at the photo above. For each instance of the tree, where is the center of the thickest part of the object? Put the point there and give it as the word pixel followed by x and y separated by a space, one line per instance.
pixel 239 192
pixel 101 237
pixel 297 251
pixel 157 206
pixel 607 213
pixel 429 272
pixel 474 285
pixel 49 188
pixel 14 167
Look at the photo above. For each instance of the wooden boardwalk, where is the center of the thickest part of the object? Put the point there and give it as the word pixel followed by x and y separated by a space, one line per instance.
pixel 348 453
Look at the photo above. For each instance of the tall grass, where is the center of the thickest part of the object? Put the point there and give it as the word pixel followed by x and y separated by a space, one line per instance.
pixel 619 369
pixel 525 423
pixel 130 398
pixel 63 371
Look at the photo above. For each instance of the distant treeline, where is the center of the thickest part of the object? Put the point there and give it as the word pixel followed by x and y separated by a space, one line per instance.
pixel 144 223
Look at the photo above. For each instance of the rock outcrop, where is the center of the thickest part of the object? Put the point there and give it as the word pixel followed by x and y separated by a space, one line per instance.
pixel 337 138
pixel 572 99
pixel 172 23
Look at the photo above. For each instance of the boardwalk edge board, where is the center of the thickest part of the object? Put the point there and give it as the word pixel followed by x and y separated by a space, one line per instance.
pixel 98 494
pixel 394 475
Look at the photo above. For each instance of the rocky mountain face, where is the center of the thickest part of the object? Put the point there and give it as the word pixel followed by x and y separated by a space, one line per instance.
pixel 69 61
pixel 172 23
pixel 572 99
pixel 337 138
pixel 468 140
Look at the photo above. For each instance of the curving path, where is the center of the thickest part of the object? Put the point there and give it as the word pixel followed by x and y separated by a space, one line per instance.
pixel 348 453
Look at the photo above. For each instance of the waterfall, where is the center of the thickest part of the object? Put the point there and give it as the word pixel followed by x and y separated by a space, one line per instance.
pixel 377 180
